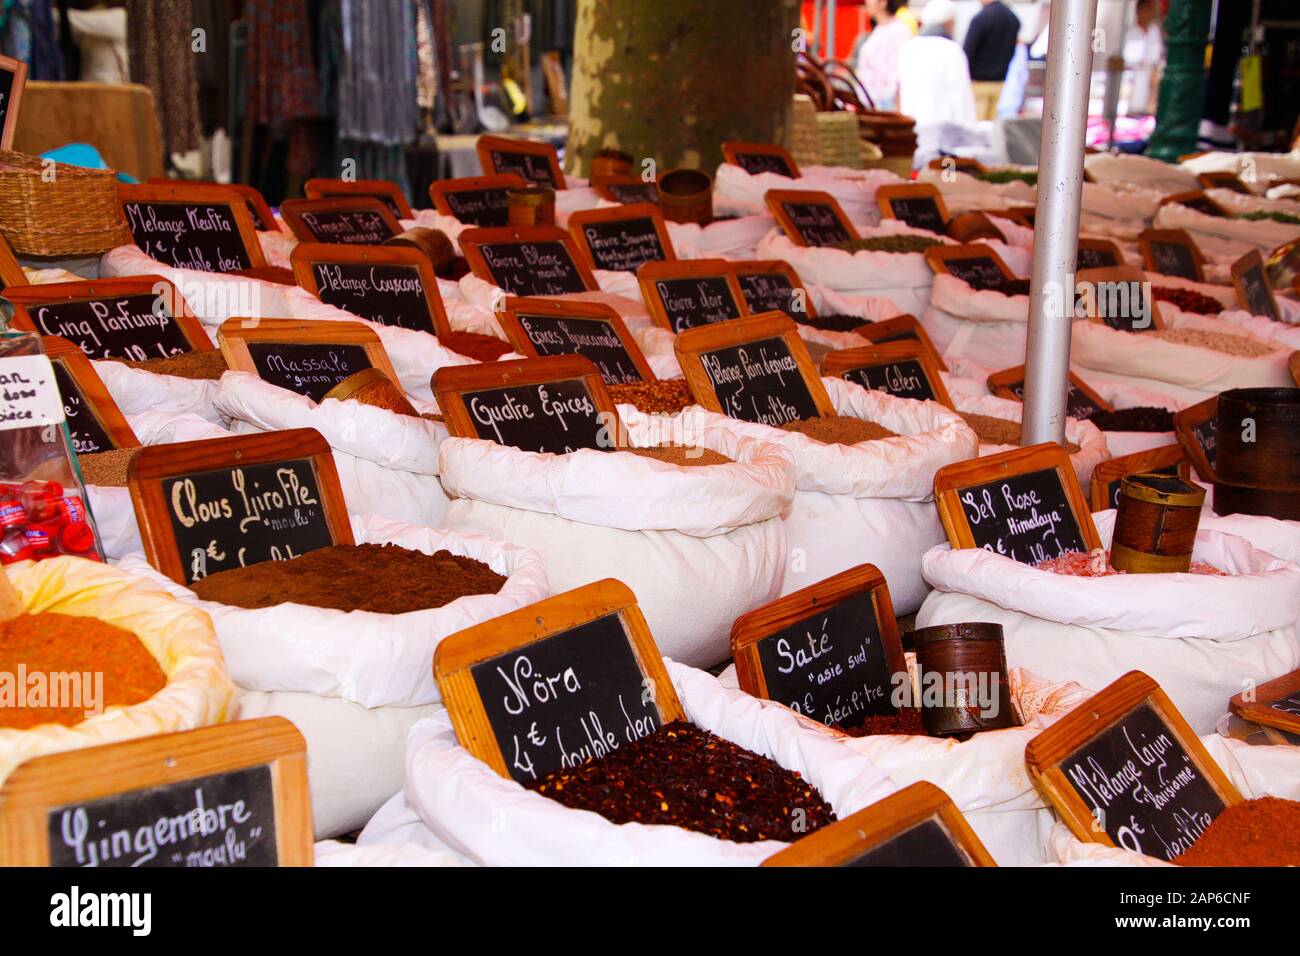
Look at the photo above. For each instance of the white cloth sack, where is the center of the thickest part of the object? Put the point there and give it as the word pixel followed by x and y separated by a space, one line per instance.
pixel 1226 237
pixel 1143 171
pixel 135 390
pixel 698 546
pixel 1090 439
pixel 738 193
pixel 335 853
pixel 1199 636
pixel 465 805
pixel 982 326
pixel 870 502
pixel 728 239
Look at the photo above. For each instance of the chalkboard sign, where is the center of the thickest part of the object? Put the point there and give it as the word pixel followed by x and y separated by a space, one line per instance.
pixel 1197 429
pixel 920 205
pixel 386 192
pixel 232 795
pixel 1198 201
pixel 976 264
pixel 533 261
pixel 902 328
pixel 393 285
pixel 1107 476
pixel 628 190
pixel 1171 252
pixel 1274 703
pixel 1124 769
pixel 773 286
pixel 132 319
pixel 1254 293
pixel 917 826
pixel 829 651
pixel 555 684
pixel 621 239
pixel 1025 504
pixel 13 78
pixel 1097 254
pixel 222 503
pixel 904 369
pixel 359 221
pixel 535 162
pixel 1081 402
pixel 809 217
pixel 543 327
pixel 307 369
pixel 1118 298
pixel 94 421
pixel 758 158
pixel 476 200
pixel 207 228
pixel 689 294
pixel 1223 180
pixel 556 405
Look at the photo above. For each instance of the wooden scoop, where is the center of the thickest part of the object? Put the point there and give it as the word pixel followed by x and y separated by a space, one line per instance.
pixel 11 605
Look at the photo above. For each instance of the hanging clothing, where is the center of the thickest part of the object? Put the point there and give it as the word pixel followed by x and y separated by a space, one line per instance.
pixel 878 62
pixel 27 34
pixel 283 86
pixel 160 57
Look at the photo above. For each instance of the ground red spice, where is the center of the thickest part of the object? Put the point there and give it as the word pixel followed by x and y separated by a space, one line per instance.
pixel 662 397
pixel 907 722
pixel 1189 300
pixel 67 644
pixel 692 457
pixel 209 364
pixel 683 776
pixel 383 578
pixel 1263 832
pixel 839 429
pixel 485 348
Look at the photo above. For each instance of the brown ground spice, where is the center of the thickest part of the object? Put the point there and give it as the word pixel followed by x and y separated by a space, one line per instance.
pixel 208 364
pixel 1224 342
pixel 681 455
pixel 107 468
pixel 665 397
pixel 64 643
pixel 1000 431
pixel 485 348
pixel 902 242
pixel 383 578
pixel 1263 832
pixel 839 429
pixel 683 776
pixel 907 721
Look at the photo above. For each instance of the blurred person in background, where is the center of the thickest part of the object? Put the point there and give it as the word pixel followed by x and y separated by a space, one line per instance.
pixel 990 45
pixel 877 65
pixel 934 84
pixel 1144 49
pixel 938 18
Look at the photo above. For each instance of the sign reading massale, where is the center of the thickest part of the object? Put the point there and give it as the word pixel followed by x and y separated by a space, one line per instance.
pixel 222 503
pixel 207 228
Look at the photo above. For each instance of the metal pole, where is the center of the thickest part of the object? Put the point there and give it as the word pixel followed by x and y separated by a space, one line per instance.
pixel 1056 219
pixel 818 37
pixel 830 29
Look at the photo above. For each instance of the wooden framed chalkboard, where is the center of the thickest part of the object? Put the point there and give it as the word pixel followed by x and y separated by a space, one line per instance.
pixel 623 238
pixel 920 205
pixel 353 220
pixel 527 690
pixel 1197 200
pixel 689 293
pixel 756 158
pixel 535 162
pixel 1274 703
pixel 386 192
pixel 810 217
pixel 756 369
pixel 830 651
pixel 136 318
pixel 1223 180
pixel 557 405
pixel 1197 430
pixel 1123 769
pixel 917 826
pixel 229 795
pixel 476 200
pixel 1254 292
pixel 959 164
pixel 1080 399
pixel 263 218
pixel 308 357
pixel 1020 215
pixel 904 369
pixel 221 503
pixel 974 263
pixel 533 260
pixel 1097 254
pixel 1171 252
pixel 772 285
pixel 627 190
pixel 974 226
pixel 1103 488
pixel 13 78
pixel 1025 504
pixel 11 273
pixel 539 328
pixel 1120 298
pixel 901 328
pixel 95 423
pixel 207 228
pixel 390 285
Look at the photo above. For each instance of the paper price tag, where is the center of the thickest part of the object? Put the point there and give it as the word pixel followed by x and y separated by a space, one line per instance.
pixel 29 396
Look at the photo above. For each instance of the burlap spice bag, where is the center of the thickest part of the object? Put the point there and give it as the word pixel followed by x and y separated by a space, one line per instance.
pixel 1085 436
pixel 1256 771
pixel 698 545
pixel 865 502
pixel 1199 635
pixel 354 681
pixel 453 800
pixel 387 462
pixel 178 636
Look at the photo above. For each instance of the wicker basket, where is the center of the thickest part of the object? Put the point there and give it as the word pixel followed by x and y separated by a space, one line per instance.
pixel 840 139
pixel 65 211
pixel 804 141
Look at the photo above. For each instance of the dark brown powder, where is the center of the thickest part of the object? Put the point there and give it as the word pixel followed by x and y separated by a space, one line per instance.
pixel 907 721
pixel 107 468
pixel 383 578
pixel 683 776
pixel 839 429
pixel 1000 431
pixel 695 456
pixel 208 364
